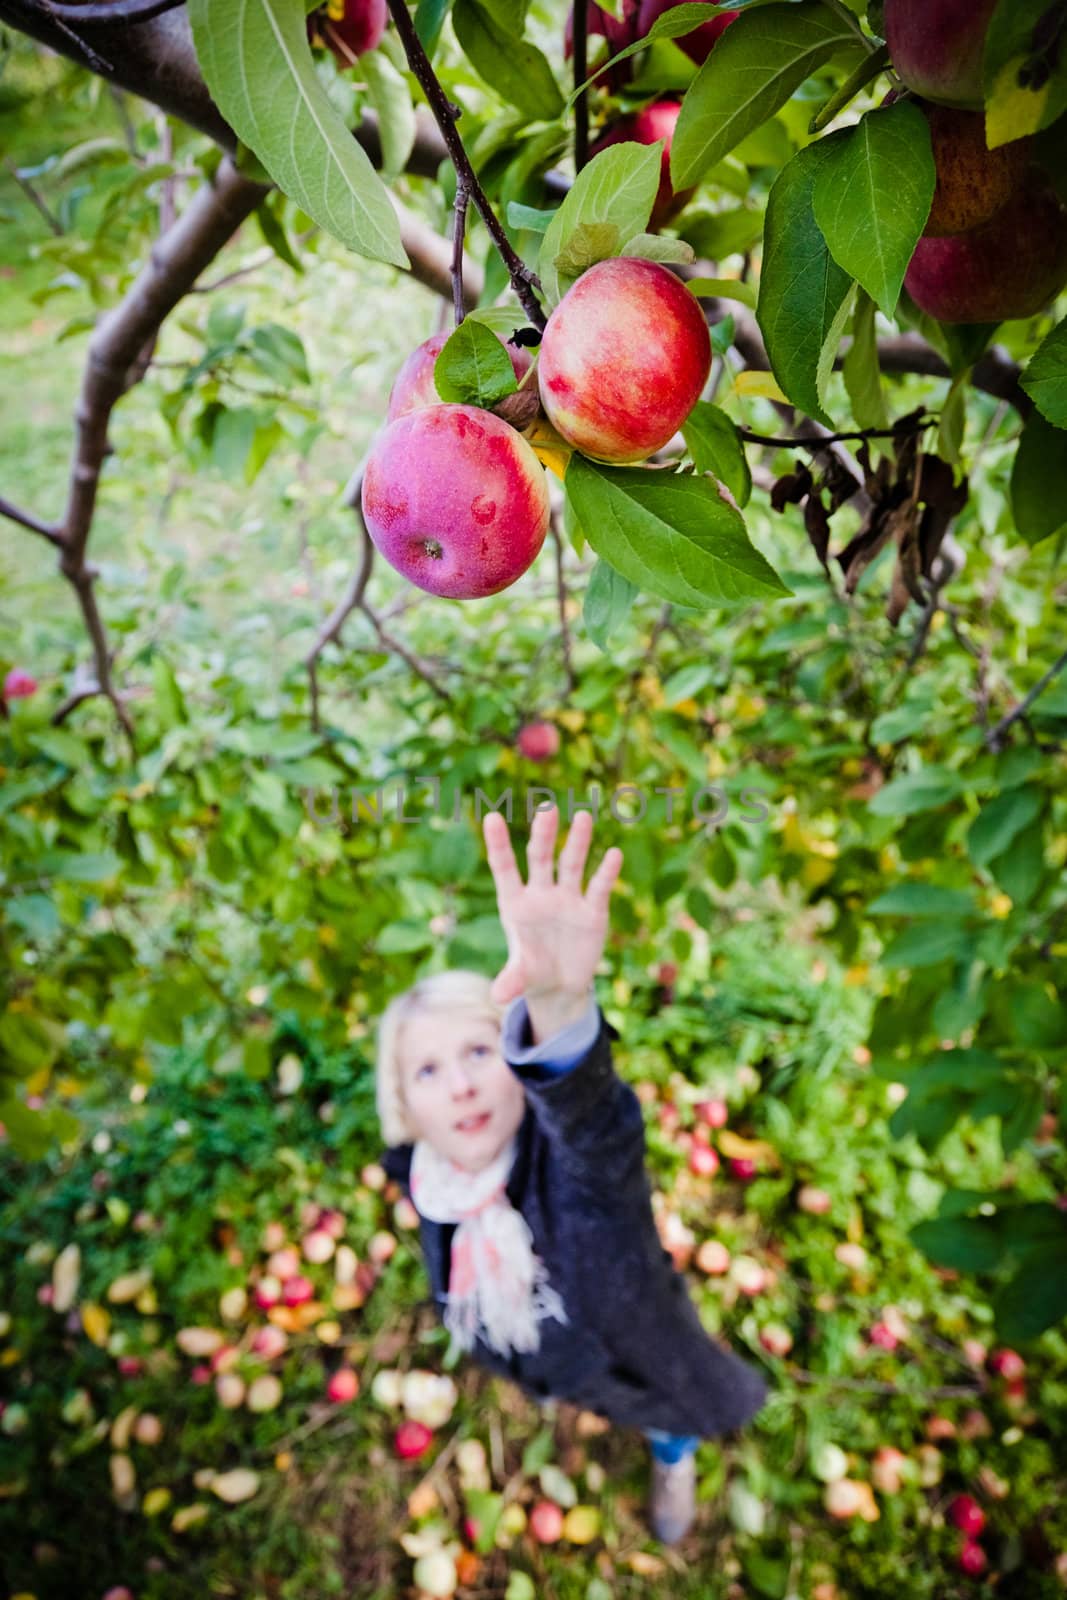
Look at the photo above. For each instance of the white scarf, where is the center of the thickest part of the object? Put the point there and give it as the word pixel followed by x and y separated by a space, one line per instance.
pixel 498 1288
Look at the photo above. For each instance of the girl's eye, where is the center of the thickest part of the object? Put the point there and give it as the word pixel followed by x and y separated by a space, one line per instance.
pixel 425 1070
pixel 484 1048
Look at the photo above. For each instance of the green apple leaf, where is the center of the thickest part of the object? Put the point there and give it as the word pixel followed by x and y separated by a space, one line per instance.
pixel 515 69
pixel 1045 378
pixel 473 368
pixel 804 295
pixel 391 99
pixel 872 196
pixel 723 289
pixel 715 445
pixel 1039 481
pixel 658 247
pixel 670 533
pixel 861 370
pixel 753 70
pixel 256 61
pixel 617 188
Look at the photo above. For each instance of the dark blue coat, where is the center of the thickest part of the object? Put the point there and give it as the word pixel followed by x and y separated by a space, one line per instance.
pixel 634 1350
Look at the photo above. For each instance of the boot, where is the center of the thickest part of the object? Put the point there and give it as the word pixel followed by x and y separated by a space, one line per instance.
pixel 672 1504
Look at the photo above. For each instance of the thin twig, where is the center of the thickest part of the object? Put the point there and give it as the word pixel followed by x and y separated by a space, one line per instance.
pixel 580 38
pixel 25 520
pixel 459 234
pixel 35 198
pixel 995 736
pixel 820 443
pixel 523 280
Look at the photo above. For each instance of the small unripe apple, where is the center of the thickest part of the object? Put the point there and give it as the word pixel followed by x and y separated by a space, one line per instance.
pixel 714 1113
pixel 230 1390
pixel 19 685
pixel 967 1515
pixel 412 1439
pixel 546 1521
pixel 938 1428
pixel 373 1176
pixel 972 1559
pixel 456 500
pixel 284 1263
pixel 270 1342
pixel 435 1575
pixel 623 360
pixel 343 1386
pixel 414 385
pixel 148 1429
pixel 1007 1364
pixel 776 1339
pixel 360 29
pixel 703 1161
pixel 268 1292
pixel 538 741
pixel 815 1201
pixel 332 1221
pixel 318 1246
pixel 749 1275
pixel 382 1247
pixel 887 1469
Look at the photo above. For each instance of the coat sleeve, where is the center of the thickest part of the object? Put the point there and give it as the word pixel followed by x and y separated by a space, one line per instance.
pixel 592 1119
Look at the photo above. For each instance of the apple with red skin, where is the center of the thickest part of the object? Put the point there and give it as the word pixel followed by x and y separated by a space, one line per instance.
pixel 455 499
pixel 714 1113
pixel 538 741
pixel 358 30
pixel 412 1439
pixel 967 1515
pixel 654 122
pixel 937 47
pixel 623 360
pixel 973 182
pixel 343 1385
pixel 414 385
pixel 18 685
pixel 1007 1364
pixel 698 44
pixel 546 1522
pixel 883 1336
pixel 703 1161
pixel 1012 267
pixel 298 1290
pixel 972 1559
pixel 743 1168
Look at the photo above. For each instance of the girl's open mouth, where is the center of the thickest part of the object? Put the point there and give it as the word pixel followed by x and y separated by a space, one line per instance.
pixel 474 1124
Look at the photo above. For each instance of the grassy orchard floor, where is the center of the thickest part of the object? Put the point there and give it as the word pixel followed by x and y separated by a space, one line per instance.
pixel 180 1183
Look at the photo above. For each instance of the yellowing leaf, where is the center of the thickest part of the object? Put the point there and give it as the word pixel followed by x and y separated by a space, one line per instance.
pixel 1012 112
pixel 121 1427
pixel 155 1501
pixel 551 450
pixel 241 1483
pixel 123 1476
pixel 581 1525
pixel 96 1322
pixel 732 1144
pixel 759 386
pixel 188 1516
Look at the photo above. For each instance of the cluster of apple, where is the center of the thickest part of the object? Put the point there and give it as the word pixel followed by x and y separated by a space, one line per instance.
pixel 455 497
pixel 995 244
pixel 348 27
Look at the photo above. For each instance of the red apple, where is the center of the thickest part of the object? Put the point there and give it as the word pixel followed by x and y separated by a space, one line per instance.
pixel 546 1521
pixel 973 182
pixel 268 1292
pixel 130 1366
pixel 538 741
pixel 359 30
pixel 344 1386
pixel 937 46
pixel 18 685
pixel 776 1339
pixel 697 45
pixel 715 1113
pixel 703 1160
pixel 456 500
pixel 1007 1364
pixel 298 1290
pixel 815 1201
pixel 200 1374
pixel 1011 267
pixel 647 126
pixel 883 1336
pixel 412 1439
pixel 972 1559
pixel 414 385
pixel 965 1512
pixel 743 1168
pixel 886 1469
pixel 713 1258
pixel 623 360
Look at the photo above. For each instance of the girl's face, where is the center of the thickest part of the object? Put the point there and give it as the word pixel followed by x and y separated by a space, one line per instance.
pixel 459 1092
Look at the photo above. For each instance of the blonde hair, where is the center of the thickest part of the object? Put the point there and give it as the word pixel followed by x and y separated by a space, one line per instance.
pixel 459 990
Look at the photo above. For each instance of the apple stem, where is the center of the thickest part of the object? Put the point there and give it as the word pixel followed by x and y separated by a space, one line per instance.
pixel 523 280
pixel 579 41
pixel 459 232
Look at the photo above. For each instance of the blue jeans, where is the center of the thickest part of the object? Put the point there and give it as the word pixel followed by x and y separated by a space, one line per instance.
pixel 671 1447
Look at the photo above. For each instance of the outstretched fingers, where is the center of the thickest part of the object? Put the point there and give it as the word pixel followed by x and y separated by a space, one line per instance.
pixel 603 881
pixel 502 863
pixel 572 857
pixel 541 848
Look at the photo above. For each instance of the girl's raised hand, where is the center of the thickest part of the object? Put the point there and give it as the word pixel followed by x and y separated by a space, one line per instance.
pixel 555 932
